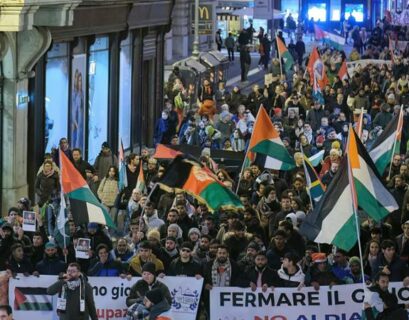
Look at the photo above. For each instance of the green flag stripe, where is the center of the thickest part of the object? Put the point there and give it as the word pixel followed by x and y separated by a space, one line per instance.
pixel 346 236
pixel 369 203
pixel 218 196
pixel 274 150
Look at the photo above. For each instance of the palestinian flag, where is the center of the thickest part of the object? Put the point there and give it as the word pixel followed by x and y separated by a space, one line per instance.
pixel 333 40
pixel 387 144
pixel 164 152
pixel 85 207
pixel 188 175
pixel 285 55
pixel 315 187
pixel 140 183
pixel 32 299
pixel 373 197
pixel 266 140
pixel 343 71
pixel 332 220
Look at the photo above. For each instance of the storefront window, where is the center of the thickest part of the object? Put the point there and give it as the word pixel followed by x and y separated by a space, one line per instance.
pixel 98 77
pixel 125 86
pixel 318 11
pixel 56 95
pixel 335 10
pixel 355 10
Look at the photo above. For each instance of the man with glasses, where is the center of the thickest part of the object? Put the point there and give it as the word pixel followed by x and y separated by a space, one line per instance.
pixel 75 297
pixel 185 265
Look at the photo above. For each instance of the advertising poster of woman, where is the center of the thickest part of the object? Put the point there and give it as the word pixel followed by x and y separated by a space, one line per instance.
pixel 77 128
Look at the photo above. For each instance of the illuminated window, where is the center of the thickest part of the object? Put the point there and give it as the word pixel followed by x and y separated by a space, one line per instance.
pixel 356 10
pixel 318 11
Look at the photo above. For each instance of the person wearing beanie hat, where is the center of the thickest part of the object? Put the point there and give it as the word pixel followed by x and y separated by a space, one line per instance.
pixel 194 235
pixel 156 303
pixel 320 274
pixel 6 243
pixel 355 274
pixel 144 256
pixel 51 264
pixel 147 283
pixel 184 265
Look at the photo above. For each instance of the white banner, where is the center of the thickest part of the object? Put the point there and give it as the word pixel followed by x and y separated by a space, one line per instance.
pixel 343 302
pixel 352 65
pixel 109 295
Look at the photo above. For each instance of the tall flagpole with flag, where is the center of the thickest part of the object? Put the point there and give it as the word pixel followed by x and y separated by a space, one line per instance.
pixel 360 123
pixel 352 145
pixel 398 137
pixel 61 219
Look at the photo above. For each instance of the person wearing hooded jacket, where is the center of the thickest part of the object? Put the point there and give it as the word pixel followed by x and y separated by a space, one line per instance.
pixel 51 263
pixel 147 283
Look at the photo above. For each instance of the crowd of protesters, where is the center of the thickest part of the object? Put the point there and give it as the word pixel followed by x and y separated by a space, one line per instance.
pixel 171 234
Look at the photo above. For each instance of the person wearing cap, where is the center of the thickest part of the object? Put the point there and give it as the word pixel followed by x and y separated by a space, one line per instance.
pixel 320 274
pixel 169 251
pixel 261 275
pixel 246 259
pixel 355 274
pixel 148 282
pixel 51 263
pixel 7 240
pixel 97 236
pixel 105 159
pixel 185 265
pixel 144 256
pixel 156 303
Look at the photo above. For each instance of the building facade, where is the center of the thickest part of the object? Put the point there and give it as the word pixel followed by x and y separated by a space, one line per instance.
pixel 91 71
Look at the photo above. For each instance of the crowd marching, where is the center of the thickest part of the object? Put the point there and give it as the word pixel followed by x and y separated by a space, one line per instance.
pixel 161 232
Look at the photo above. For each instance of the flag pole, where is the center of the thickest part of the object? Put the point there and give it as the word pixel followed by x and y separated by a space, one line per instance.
pixel 354 207
pixel 309 193
pixel 248 150
pixel 279 58
pixel 62 201
pixel 360 123
pixel 143 209
pixel 306 174
pixel 394 142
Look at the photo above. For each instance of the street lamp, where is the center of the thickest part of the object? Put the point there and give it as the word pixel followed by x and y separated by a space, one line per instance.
pixel 195 52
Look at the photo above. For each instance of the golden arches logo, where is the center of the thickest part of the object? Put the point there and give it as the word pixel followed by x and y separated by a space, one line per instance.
pixel 204 13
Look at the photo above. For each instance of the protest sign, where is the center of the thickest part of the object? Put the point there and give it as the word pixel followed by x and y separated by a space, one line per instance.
pixel 353 65
pixel 109 295
pixel 82 248
pixel 29 221
pixel 343 302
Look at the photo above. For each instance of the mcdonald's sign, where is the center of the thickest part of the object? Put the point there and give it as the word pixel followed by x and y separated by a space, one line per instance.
pixel 205 19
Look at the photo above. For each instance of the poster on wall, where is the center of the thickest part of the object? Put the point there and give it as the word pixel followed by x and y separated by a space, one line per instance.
pixel 77 123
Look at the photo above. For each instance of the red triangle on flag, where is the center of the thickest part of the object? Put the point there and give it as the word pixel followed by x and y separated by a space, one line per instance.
pixel 163 152
pixel 71 179
pixel 19 298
